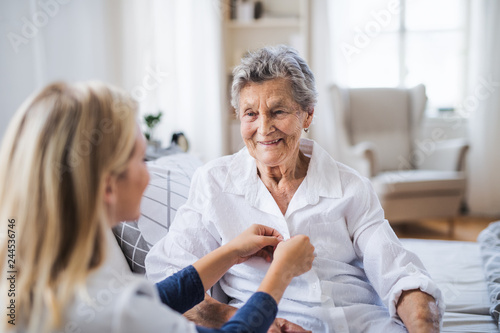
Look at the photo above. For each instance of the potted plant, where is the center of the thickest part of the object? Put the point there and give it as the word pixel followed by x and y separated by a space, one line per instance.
pixel 151 121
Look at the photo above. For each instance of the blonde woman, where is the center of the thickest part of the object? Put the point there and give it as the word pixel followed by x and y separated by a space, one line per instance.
pixel 72 166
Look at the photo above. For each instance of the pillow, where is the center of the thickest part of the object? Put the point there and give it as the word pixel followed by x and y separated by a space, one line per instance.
pixel 167 190
pixel 132 244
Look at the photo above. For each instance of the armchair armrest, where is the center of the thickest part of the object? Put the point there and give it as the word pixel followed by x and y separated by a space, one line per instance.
pixel 446 155
pixel 362 158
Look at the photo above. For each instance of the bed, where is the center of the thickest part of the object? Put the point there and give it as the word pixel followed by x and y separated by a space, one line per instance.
pixel 455 266
pixel 457 269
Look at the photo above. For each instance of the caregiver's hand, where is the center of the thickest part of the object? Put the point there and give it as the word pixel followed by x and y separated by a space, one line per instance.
pixel 294 256
pixel 257 240
pixel 291 258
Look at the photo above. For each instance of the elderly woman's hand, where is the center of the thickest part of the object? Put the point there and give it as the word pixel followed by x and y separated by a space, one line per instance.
pixel 418 311
pixel 281 325
pixel 258 240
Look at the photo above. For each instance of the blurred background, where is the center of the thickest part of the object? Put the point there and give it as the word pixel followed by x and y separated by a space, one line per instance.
pixel 176 57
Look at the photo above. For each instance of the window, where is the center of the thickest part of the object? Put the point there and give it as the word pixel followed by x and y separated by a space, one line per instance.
pixel 407 42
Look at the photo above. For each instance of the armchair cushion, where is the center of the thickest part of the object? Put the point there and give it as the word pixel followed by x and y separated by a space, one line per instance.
pixel 418 182
pixel 416 194
pixel 444 154
pixel 386 117
pixel 373 116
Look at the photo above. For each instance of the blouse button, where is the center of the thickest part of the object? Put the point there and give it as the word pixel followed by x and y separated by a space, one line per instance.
pixel 411 269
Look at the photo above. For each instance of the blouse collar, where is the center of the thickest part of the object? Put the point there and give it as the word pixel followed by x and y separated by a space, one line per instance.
pixel 322 178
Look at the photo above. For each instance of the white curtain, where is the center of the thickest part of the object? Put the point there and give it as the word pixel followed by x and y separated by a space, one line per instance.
pixel 483 106
pixel 323 65
pixel 329 66
pixel 175 48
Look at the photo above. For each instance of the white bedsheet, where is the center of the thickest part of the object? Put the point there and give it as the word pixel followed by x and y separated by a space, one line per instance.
pixel 456 268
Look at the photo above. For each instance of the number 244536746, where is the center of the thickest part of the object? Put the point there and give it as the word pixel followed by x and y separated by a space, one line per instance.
pixel 11 244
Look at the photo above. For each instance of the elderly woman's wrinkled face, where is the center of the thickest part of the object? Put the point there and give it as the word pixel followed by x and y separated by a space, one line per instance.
pixel 271 122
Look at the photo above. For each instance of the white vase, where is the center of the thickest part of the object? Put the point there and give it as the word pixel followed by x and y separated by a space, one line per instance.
pixel 244 10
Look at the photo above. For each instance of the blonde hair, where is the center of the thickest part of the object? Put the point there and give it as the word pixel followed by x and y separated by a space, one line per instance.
pixel 55 157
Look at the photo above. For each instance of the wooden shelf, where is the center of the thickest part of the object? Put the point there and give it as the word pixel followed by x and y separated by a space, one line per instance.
pixel 284 22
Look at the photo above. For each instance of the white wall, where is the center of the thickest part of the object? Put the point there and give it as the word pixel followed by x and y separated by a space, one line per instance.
pixel 47 40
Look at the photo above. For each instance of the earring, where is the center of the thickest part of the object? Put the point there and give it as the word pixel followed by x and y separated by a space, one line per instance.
pixel 306 130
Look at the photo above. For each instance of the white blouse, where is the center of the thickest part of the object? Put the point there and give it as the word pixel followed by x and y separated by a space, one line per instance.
pixel 360 269
pixel 121 302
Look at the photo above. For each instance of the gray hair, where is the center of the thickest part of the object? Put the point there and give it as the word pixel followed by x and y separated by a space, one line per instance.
pixel 270 63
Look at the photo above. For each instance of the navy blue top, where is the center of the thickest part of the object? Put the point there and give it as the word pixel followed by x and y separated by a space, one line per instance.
pixel 184 289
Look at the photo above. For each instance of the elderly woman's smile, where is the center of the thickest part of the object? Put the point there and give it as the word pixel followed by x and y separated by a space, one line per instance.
pixel 269 143
pixel 273 143
pixel 272 122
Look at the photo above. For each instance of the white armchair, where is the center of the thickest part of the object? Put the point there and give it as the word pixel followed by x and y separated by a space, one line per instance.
pixel 414 177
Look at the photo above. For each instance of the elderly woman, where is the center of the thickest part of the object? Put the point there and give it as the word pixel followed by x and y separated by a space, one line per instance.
pixel 73 166
pixel 362 280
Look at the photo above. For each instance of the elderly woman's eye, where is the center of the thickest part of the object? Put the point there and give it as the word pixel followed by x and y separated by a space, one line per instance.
pixel 250 114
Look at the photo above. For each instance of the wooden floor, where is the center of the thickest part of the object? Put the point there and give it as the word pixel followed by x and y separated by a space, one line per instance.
pixel 466 228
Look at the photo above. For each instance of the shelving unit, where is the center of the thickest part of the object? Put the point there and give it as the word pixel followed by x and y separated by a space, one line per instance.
pixel 283 22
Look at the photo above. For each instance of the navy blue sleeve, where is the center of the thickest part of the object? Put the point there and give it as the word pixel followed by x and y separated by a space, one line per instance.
pixel 255 316
pixel 182 290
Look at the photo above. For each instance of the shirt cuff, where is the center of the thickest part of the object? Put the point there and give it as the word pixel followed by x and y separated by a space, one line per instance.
pixel 183 290
pixel 256 315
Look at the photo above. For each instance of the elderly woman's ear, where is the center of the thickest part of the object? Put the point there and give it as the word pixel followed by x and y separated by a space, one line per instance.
pixel 309 118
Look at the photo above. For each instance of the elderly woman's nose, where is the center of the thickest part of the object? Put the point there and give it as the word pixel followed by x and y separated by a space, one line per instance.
pixel 266 124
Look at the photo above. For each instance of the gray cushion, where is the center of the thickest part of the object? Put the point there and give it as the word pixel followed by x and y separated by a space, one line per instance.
pixel 489 242
pixel 132 244
pixel 167 190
